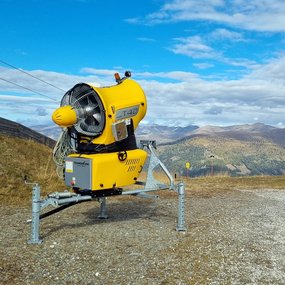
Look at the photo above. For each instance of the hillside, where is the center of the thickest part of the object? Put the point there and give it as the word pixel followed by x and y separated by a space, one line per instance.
pixel 239 150
pixel 20 157
pixel 167 134
pixel 255 150
pixel 14 129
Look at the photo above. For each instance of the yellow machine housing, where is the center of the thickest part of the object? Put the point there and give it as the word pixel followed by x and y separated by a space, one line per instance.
pixel 120 102
pixel 104 170
pixel 97 149
pixel 123 101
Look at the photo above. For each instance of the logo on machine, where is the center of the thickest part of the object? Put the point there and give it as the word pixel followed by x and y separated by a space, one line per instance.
pixel 81 163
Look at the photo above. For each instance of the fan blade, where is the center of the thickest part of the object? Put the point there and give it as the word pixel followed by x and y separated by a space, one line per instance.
pixel 97 117
pixel 90 121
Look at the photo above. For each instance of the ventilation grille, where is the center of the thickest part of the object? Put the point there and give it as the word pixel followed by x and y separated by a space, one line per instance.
pixel 132 168
pixel 89 109
pixel 132 163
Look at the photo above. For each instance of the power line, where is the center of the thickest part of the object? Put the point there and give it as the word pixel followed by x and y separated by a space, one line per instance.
pixel 27 73
pixel 28 89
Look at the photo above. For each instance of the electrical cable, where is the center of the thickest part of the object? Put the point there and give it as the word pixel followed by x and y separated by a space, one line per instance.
pixel 27 73
pixel 28 89
pixel 62 148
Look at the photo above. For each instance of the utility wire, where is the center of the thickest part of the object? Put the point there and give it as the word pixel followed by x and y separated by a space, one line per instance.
pixel 8 64
pixel 28 89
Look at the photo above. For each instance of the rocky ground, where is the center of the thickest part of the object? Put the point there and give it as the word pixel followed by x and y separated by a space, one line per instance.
pixel 232 237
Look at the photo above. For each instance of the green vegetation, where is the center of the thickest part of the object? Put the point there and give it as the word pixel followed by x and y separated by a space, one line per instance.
pixel 232 157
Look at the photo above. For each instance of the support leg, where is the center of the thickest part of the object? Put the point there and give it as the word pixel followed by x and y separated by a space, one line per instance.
pixel 103 208
pixel 181 226
pixel 36 208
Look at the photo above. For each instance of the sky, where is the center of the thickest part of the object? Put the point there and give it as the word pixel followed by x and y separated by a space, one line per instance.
pixel 200 62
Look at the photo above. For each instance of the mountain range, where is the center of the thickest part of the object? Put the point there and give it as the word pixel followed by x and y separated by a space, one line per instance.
pixel 162 134
pixel 255 149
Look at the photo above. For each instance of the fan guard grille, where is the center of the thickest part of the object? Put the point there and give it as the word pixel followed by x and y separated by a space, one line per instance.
pixel 89 109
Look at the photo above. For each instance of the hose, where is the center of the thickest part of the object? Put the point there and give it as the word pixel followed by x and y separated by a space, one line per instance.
pixel 62 148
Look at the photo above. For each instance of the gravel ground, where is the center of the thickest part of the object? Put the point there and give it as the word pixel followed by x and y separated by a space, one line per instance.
pixel 235 237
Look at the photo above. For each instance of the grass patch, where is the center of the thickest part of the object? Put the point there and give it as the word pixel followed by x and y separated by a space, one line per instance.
pixel 213 185
pixel 20 157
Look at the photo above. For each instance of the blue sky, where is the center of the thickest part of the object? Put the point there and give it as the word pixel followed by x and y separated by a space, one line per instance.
pixel 206 62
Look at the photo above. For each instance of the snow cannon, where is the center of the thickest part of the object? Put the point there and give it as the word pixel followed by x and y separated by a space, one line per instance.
pixel 97 149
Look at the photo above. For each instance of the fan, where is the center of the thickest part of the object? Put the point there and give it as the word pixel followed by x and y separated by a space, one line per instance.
pixel 89 109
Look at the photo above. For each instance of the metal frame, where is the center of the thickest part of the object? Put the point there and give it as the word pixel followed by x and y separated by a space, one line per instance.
pixel 63 200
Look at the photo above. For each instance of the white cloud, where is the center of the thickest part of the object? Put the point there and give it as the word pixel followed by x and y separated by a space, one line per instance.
pixel 193 47
pixel 23 98
pixel 60 80
pixel 176 75
pixel 133 20
pixel 41 111
pixel 273 71
pixel 225 34
pixel 214 110
pixel 203 65
pixel 22 105
pixel 98 72
pixel 173 97
pixel 197 47
pixel 266 15
pixel 222 102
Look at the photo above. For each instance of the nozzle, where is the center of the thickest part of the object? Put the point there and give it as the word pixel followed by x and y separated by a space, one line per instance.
pixel 64 116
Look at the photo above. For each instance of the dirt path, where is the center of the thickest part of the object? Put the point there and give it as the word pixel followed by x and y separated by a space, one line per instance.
pixel 236 237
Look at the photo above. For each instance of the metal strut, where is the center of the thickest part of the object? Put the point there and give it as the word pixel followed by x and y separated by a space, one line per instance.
pixel 181 225
pixel 63 200
pixel 36 209
pixel 151 184
pixel 103 208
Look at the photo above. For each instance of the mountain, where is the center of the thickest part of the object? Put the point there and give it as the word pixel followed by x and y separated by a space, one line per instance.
pixel 51 131
pixel 163 134
pixel 14 129
pixel 256 149
pixel 166 134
